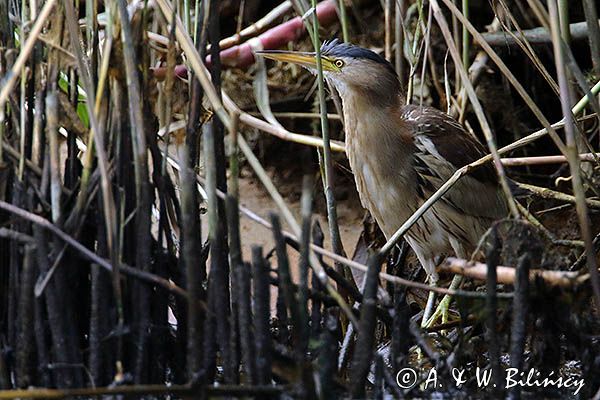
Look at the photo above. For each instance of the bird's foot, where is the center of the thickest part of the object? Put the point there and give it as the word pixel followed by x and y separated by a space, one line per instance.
pixel 443 309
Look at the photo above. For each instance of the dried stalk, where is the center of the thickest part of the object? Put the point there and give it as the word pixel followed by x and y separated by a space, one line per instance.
pixel 492 257
pixel 363 351
pixel 571 151
pixel 387 11
pixel 326 161
pixel 260 280
pixel 25 351
pixel 535 36
pixel 55 181
pixel 593 31
pixel 552 194
pixel 542 160
pixel 507 275
pixel 520 315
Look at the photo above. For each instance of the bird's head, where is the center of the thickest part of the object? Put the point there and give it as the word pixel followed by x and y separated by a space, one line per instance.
pixel 352 70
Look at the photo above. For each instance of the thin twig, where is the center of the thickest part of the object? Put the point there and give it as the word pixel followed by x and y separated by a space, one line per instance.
pixel 543 160
pixel 552 194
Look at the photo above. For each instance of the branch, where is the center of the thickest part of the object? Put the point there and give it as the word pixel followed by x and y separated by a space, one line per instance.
pixel 507 275
pixel 536 36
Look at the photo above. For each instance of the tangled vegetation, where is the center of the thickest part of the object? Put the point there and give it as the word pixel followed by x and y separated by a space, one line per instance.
pixel 163 192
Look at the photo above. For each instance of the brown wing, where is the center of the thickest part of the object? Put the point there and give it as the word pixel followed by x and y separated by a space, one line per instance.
pixel 450 139
pixel 443 146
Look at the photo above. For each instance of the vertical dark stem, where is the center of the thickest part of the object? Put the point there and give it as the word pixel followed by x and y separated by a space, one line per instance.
pixel 591 17
pixel 235 254
pixel 520 312
pixel 315 310
pixel 41 344
pixel 281 314
pixel 235 245
pixel 71 172
pixel 363 352
pixel 194 266
pixel 491 303
pixel 378 386
pixel 95 355
pixel 242 275
pixel 218 234
pixel 64 347
pixel 61 315
pixel 209 350
pixel 143 196
pixel 4 374
pixel 91 11
pixel 218 285
pixel 261 292
pixel 102 318
pixel 13 269
pixel 286 288
pixel 328 355
pixel 24 371
pixel 316 303
pixel 160 343
pixel 400 329
pixel 196 94
pixel 191 228
pixel 215 72
pixel 6 31
pixel 306 210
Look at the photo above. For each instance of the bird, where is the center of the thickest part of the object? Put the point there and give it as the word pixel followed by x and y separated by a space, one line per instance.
pixel 401 153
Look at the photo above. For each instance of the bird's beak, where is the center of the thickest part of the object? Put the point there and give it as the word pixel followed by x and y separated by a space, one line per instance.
pixel 304 59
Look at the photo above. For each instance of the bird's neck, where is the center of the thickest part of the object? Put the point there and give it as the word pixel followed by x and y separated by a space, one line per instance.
pixel 383 97
pixel 369 115
pixel 380 152
pixel 374 129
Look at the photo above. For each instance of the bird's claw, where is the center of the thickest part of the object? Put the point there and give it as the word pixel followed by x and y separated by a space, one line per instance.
pixel 443 310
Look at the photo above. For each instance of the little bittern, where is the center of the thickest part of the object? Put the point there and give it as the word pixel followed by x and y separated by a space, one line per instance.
pixel 401 154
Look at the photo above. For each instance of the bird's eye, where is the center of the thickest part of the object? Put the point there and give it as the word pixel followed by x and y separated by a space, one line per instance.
pixel 339 63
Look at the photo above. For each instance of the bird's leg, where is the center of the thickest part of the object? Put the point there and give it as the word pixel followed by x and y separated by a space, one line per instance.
pixel 444 305
pixel 430 303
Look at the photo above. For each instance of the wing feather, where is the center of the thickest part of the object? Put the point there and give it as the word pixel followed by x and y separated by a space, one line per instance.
pixel 443 146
